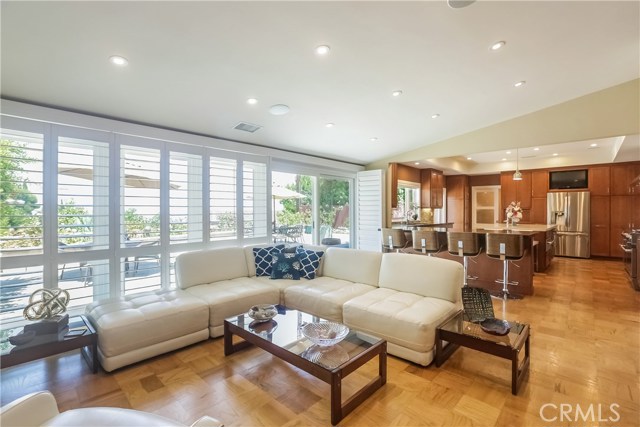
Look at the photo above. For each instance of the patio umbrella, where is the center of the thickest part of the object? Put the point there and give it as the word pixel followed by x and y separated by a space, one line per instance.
pixel 130 180
pixel 281 193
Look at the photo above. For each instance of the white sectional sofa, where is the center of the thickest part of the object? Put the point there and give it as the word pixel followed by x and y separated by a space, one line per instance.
pixel 398 297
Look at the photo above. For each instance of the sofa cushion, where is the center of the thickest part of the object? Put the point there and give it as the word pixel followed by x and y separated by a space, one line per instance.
pixel 422 275
pixel 195 268
pixel 310 261
pixel 352 265
pixel 402 318
pixel 263 259
pixel 286 265
pixel 231 297
pixel 140 320
pixel 323 296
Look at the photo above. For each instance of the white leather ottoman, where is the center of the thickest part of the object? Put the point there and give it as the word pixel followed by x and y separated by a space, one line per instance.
pixel 139 326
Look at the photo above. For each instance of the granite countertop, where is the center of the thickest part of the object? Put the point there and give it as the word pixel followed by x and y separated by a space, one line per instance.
pixel 535 228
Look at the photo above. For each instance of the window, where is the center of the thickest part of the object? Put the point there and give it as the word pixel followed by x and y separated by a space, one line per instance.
pixel 254 199
pixel 96 213
pixel 408 201
pixel 222 198
pixel 185 194
pixel 21 193
pixel 83 195
pixel 140 195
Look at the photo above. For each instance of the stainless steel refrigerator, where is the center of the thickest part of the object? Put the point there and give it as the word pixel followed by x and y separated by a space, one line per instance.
pixel 569 211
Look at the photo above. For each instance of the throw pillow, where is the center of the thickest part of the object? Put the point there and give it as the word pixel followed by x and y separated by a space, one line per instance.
pixel 262 257
pixel 291 249
pixel 310 261
pixel 285 266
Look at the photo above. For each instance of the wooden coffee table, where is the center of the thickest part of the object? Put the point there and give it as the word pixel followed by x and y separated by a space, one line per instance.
pixel 282 338
pixel 459 332
pixel 79 335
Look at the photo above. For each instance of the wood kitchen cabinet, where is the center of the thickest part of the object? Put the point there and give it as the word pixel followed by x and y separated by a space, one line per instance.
pixel 621 177
pixel 600 226
pixel 538 210
pixel 599 180
pixel 620 221
pixel 431 186
pixel 393 173
pixel 458 201
pixel 539 183
pixel 516 191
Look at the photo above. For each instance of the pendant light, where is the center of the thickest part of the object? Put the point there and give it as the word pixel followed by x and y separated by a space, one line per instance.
pixel 517 176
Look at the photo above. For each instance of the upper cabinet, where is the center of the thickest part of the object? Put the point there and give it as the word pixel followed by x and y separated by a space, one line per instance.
pixel 539 183
pixel 599 180
pixel 431 185
pixel 516 191
pixel 621 177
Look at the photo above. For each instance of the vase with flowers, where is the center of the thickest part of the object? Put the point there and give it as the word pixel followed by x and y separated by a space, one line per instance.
pixel 513 213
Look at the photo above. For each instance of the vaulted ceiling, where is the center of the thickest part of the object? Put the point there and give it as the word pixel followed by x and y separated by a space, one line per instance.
pixel 193 66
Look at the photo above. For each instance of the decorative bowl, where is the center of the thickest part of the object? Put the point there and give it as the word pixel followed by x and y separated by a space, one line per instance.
pixel 325 333
pixel 263 312
pixel 495 326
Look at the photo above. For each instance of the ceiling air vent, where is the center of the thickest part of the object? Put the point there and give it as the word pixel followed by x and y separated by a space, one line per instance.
pixel 247 127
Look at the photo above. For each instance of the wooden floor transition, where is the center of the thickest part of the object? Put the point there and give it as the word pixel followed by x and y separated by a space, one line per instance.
pixel 585 322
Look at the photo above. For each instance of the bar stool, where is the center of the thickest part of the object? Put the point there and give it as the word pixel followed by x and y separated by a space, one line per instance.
pixel 464 244
pixel 426 241
pixel 393 239
pixel 506 247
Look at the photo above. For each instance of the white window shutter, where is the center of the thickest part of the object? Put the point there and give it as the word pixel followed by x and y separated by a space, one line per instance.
pixel 370 196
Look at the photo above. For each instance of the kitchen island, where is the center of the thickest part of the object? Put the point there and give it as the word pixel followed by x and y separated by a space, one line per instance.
pixel 485 270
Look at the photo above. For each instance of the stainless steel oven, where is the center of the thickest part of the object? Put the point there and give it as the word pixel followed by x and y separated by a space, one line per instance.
pixel 631 256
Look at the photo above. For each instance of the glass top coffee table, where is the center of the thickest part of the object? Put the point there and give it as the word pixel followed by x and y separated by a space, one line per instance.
pixel 282 337
pixel 459 332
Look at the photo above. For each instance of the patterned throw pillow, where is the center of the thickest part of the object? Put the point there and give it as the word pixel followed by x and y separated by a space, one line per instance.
pixel 262 257
pixel 310 261
pixel 285 266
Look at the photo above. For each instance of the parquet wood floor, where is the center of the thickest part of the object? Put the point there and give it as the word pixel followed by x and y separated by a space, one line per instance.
pixel 585 322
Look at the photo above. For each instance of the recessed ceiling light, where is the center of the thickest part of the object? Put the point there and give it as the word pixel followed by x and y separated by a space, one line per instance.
pixel 508 152
pixel 373 139
pixel 252 101
pixel 397 93
pixel 323 49
pixel 118 60
pixel 498 45
pixel 536 149
pixel 593 145
pixel 520 83
pixel 279 109
pixel 329 125
pixel 435 116
pixel 504 159
pixel 416 163
pixel 555 154
pixel 469 158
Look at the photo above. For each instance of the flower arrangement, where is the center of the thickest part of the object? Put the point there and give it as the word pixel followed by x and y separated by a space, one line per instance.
pixel 514 212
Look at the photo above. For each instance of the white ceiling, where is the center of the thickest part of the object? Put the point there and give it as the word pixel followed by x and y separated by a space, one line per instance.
pixel 595 151
pixel 193 65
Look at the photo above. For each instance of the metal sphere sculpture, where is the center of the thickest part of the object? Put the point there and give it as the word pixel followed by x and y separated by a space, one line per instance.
pixel 46 303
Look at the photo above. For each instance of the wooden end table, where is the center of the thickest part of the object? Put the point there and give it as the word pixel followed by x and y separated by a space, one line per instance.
pixel 79 335
pixel 459 332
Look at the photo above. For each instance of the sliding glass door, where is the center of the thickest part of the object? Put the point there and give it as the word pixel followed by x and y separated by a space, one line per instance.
pixel 310 209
